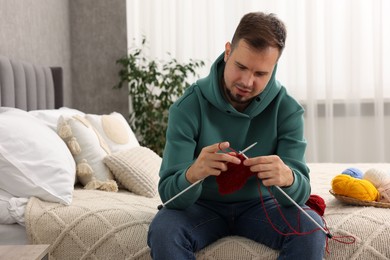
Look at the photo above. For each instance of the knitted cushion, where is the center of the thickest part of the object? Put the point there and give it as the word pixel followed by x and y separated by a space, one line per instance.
pixel 136 169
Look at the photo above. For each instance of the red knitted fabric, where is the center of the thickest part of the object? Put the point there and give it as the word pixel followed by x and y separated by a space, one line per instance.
pixel 317 204
pixel 234 178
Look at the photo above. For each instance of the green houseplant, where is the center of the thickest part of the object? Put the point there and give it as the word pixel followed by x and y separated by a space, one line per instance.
pixel 153 86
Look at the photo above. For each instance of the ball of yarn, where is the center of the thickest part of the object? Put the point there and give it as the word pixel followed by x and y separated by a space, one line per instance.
pixel 353 172
pixel 316 203
pixel 346 185
pixel 384 192
pixel 376 176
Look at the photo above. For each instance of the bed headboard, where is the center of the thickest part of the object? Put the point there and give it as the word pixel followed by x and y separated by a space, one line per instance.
pixel 28 86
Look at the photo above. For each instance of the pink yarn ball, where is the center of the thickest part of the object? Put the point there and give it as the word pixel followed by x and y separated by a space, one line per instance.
pixel 384 192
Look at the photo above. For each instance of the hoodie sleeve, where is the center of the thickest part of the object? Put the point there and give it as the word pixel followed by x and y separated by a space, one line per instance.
pixel 291 149
pixel 179 154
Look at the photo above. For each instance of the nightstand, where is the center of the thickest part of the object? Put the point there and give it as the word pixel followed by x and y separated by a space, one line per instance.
pixel 24 252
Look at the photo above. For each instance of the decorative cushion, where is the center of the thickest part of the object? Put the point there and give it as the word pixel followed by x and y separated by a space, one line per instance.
pixel 88 149
pixel 34 161
pixel 115 130
pixel 136 169
pixel 50 116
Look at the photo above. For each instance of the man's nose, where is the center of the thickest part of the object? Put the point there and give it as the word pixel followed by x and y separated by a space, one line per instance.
pixel 248 79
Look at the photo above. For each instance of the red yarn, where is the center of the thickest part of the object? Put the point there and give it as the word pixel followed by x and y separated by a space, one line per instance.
pixel 235 177
pixel 347 239
pixel 317 204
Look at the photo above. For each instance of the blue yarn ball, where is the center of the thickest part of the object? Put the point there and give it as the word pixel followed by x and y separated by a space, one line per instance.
pixel 353 172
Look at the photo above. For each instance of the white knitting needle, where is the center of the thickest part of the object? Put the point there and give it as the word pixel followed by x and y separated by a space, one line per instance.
pixel 195 183
pixel 299 207
pixel 246 149
pixel 177 195
pixel 304 212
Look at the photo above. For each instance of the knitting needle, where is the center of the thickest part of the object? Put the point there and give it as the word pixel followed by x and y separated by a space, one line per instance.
pixel 195 183
pixel 246 149
pixel 328 234
pixel 299 207
pixel 177 195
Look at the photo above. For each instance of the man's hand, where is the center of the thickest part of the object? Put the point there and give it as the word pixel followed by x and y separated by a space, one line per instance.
pixel 210 162
pixel 271 170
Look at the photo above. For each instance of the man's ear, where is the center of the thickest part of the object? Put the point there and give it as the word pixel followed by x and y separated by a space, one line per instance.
pixel 228 49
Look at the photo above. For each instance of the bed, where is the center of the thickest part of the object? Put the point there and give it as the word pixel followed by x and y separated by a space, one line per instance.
pixel 107 216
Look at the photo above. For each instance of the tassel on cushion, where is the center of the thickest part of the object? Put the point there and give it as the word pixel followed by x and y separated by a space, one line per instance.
pixel 84 170
pixel 93 185
pixel 109 185
pixel 74 146
pixel 65 131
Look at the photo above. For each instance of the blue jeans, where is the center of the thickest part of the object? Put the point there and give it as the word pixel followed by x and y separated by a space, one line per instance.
pixel 177 234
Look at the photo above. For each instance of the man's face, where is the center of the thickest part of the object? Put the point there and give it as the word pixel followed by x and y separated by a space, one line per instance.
pixel 247 72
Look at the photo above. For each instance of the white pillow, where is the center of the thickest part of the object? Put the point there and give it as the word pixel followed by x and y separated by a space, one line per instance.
pixel 51 116
pixel 5 216
pixel 137 169
pixel 5 109
pixel 11 208
pixel 88 149
pixel 34 161
pixel 115 130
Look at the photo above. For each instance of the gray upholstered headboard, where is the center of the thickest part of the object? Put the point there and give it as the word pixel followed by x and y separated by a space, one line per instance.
pixel 28 86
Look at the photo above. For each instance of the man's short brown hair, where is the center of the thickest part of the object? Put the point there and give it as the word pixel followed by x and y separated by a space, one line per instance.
pixel 261 30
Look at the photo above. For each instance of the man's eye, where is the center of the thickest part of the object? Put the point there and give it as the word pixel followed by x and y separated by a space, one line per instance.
pixel 260 74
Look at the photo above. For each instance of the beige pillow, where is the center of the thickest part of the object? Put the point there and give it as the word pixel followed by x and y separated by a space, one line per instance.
pixel 88 149
pixel 137 169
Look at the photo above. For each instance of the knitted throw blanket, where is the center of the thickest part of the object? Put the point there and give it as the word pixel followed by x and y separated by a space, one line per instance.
pixel 107 225
pixel 97 225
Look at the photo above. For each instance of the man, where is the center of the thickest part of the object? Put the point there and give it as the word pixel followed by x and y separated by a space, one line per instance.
pixel 239 103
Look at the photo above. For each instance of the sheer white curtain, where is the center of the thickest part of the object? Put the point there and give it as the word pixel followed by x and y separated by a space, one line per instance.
pixel 336 63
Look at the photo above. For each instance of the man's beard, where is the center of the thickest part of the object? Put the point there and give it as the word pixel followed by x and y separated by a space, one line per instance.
pixel 236 98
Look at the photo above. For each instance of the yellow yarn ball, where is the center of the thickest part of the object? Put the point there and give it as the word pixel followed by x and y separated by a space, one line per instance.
pixel 348 186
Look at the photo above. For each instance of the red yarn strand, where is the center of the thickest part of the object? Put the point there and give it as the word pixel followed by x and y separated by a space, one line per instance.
pixel 225 187
pixel 349 239
pixel 294 231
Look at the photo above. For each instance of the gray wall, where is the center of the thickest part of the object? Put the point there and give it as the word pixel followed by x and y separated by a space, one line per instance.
pixel 98 39
pixel 37 31
pixel 85 37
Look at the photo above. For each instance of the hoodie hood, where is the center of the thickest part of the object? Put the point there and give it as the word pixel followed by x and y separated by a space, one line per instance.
pixel 211 90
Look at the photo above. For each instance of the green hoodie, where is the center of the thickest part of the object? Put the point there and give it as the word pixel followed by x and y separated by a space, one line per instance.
pixel 202 117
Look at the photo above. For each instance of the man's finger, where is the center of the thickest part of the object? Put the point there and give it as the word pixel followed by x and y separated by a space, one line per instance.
pixel 217 147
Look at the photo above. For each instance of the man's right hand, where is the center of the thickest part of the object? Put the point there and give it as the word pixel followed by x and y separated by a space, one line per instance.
pixel 210 162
